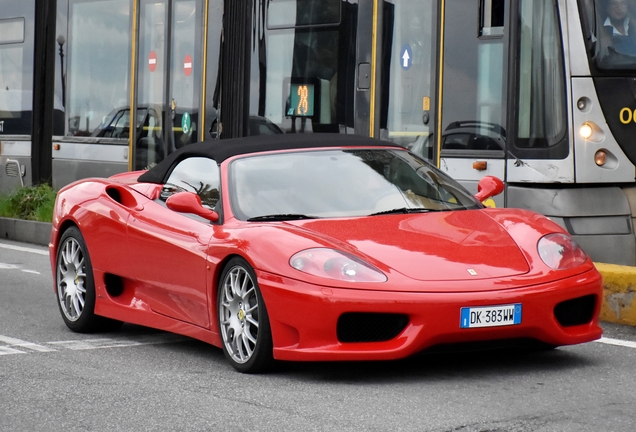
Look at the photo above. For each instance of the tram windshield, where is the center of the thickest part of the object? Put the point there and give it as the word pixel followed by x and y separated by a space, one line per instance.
pixel 611 32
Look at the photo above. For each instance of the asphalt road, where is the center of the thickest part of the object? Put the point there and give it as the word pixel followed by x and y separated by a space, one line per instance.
pixel 139 379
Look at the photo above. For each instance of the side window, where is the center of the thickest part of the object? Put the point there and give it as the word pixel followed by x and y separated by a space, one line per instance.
pixel 303 64
pixel 16 68
pixel 492 17
pixel 196 174
pixel 542 106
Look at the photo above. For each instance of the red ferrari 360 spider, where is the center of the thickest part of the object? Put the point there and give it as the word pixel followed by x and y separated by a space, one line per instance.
pixel 314 247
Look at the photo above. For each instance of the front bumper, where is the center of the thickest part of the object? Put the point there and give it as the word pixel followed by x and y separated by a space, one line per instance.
pixel 304 317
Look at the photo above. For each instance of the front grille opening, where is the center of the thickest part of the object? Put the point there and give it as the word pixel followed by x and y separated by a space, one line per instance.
pixel 370 327
pixel 575 312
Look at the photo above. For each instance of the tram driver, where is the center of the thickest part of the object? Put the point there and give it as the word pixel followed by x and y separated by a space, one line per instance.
pixel 619 29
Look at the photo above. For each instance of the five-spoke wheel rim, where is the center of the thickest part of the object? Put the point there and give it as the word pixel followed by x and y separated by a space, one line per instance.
pixel 71 279
pixel 238 312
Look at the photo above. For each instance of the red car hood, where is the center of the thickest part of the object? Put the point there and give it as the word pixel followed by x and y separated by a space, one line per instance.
pixel 458 245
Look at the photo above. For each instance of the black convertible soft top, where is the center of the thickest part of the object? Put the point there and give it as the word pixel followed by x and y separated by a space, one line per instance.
pixel 220 150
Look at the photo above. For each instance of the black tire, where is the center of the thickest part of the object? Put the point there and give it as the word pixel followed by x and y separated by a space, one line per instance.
pixel 76 287
pixel 243 321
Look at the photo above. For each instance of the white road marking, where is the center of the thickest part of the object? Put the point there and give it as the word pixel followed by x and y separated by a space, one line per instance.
pixel 31 271
pixel 89 344
pixel 618 342
pixel 24 344
pixel 7 350
pixel 24 249
pixel 5 266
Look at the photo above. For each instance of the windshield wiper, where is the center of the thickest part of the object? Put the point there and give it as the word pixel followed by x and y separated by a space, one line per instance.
pixel 402 210
pixel 281 217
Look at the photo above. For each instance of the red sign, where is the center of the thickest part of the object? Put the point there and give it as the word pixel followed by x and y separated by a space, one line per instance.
pixel 152 61
pixel 187 65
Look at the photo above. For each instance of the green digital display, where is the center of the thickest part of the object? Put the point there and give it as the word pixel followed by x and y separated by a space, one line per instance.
pixel 302 100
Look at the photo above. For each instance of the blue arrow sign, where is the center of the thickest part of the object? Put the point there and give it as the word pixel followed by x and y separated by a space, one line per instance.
pixel 406 57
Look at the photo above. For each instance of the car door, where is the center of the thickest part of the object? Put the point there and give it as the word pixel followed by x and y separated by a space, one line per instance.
pixel 170 248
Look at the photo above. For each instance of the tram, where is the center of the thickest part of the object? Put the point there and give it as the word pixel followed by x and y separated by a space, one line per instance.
pixel 541 93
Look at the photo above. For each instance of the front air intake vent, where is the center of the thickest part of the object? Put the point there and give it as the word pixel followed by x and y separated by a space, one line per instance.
pixel 114 285
pixel 370 327
pixel 577 311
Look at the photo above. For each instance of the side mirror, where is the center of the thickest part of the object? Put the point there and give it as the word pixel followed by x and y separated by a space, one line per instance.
pixel 188 202
pixel 488 187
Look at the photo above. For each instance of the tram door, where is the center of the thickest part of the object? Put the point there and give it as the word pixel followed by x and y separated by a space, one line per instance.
pixel 473 102
pixel 408 69
pixel 169 62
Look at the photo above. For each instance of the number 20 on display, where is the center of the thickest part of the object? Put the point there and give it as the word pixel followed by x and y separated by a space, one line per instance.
pixel 303 104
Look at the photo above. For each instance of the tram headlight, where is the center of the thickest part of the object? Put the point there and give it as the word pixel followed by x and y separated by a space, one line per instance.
pixel 590 131
pixel 586 131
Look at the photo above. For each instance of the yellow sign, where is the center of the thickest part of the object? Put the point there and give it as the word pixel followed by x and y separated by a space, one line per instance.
pixel 489 203
pixel 426 103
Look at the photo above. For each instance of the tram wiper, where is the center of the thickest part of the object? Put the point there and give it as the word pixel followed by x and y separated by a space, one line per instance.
pixel 402 210
pixel 281 217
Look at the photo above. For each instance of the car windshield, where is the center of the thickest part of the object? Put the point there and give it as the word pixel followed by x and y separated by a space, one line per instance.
pixel 340 183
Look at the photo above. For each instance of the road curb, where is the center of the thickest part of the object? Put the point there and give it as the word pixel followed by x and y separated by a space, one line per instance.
pixel 619 290
pixel 25 231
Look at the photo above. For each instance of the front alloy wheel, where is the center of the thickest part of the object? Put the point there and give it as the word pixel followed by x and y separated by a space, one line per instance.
pixel 243 320
pixel 71 279
pixel 75 286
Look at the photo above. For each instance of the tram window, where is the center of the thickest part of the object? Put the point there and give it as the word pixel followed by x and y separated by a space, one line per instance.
pixel 12 31
pixel 588 15
pixel 16 67
pixel 98 51
pixel 492 18
pixel 303 77
pixel 298 13
pixel 473 105
pixel 542 114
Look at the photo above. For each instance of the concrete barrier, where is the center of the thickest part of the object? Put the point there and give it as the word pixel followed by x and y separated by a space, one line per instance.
pixel 38 233
pixel 619 290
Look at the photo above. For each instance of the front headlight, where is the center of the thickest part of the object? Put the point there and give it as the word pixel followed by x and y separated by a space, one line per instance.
pixel 560 252
pixel 333 264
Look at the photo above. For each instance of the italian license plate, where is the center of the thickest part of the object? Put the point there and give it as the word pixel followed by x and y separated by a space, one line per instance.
pixel 490 316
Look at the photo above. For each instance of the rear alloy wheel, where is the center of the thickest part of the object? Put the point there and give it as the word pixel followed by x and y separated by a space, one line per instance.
pixel 243 320
pixel 76 287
